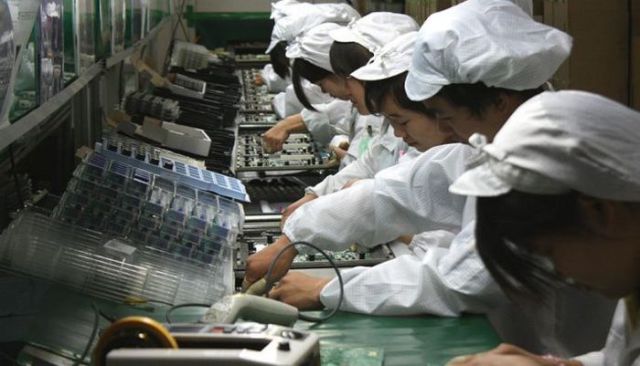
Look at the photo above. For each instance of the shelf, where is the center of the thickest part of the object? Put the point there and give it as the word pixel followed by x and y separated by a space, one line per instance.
pixel 35 118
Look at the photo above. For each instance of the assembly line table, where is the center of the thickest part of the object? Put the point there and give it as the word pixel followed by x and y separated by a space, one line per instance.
pixel 407 340
pixel 36 312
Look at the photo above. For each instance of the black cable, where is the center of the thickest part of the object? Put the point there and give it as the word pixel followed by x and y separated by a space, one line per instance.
pixel 300 315
pixel 175 307
pixel 94 332
pixel 110 318
pixel 15 175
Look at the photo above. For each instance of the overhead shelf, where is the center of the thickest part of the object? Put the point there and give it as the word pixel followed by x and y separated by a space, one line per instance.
pixel 36 117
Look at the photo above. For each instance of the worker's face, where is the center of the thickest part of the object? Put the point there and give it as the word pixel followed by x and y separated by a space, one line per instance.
pixel 335 86
pixel 462 121
pixel 356 95
pixel 416 129
pixel 605 259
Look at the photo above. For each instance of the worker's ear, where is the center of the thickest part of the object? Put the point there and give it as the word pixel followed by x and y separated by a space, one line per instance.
pixel 605 217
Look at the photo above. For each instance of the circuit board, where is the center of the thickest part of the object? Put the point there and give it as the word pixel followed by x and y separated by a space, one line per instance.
pixel 299 152
pixel 255 240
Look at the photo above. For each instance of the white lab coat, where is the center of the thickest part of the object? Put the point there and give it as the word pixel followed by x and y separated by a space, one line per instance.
pixel 623 344
pixel 328 120
pixel 444 281
pixel 414 197
pixel 287 103
pixel 385 151
pixel 363 130
pixel 408 198
pixel 273 81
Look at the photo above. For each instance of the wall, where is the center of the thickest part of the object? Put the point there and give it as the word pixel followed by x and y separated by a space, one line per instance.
pixel 600 57
pixel 252 6
pixel 635 54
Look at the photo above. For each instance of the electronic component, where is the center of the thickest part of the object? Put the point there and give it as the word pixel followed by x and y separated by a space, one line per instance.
pixel 266 119
pixel 154 162
pixel 189 87
pixel 140 103
pixel 137 342
pixel 111 196
pixel 252 60
pixel 256 239
pixel 299 153
pixel 189 55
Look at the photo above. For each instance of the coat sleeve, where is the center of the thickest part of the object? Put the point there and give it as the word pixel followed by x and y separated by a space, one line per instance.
pixel 328 120
pixel 273 81
pixel 381 154
pixel 404 199
pixel 446 281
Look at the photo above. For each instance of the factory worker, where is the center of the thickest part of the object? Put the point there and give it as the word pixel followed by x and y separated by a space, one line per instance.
pixel 291 20
pixel 414 197
pixel 354 46
pixel 558 202
pixel 384 75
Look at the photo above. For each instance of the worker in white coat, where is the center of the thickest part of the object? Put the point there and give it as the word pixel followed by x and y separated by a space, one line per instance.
pixel 415 198
pixel 559 202
pixel 291 20
pixel 327 63
pixel 384 73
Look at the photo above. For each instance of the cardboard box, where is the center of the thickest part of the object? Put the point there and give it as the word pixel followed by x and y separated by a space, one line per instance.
pixel 600 57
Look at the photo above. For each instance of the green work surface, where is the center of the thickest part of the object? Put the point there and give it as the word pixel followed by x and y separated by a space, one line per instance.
pixel 62 320
pixel 338 356
pixel 414 340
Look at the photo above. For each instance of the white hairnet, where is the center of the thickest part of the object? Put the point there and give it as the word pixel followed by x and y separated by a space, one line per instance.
pixel 279 8
pixel 489 41
pixel 561 141
pixel 313 46
pixel 375 30
pixel 294 19
pixel 391 60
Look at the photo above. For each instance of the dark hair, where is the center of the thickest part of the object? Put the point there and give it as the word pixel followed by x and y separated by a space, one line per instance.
pixel 478 97
pixel 347 57
pixel 376 91
pixel 304 69
pixel 279 60
pixel 505 228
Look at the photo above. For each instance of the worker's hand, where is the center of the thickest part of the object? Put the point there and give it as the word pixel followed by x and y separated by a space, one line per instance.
pixel 259 80
pixel 300 290
pixel 405 239
pixel 509 355
pixel 294 206
pixel 340 153
pixel 274 138
pixel 258 264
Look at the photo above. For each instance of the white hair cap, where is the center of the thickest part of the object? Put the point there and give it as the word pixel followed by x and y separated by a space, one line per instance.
pixel 279 8
pixel 557 142
pixel 392 59
pixel 294 19
pixel 489 41
pixel 313 46
pixel 375 30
